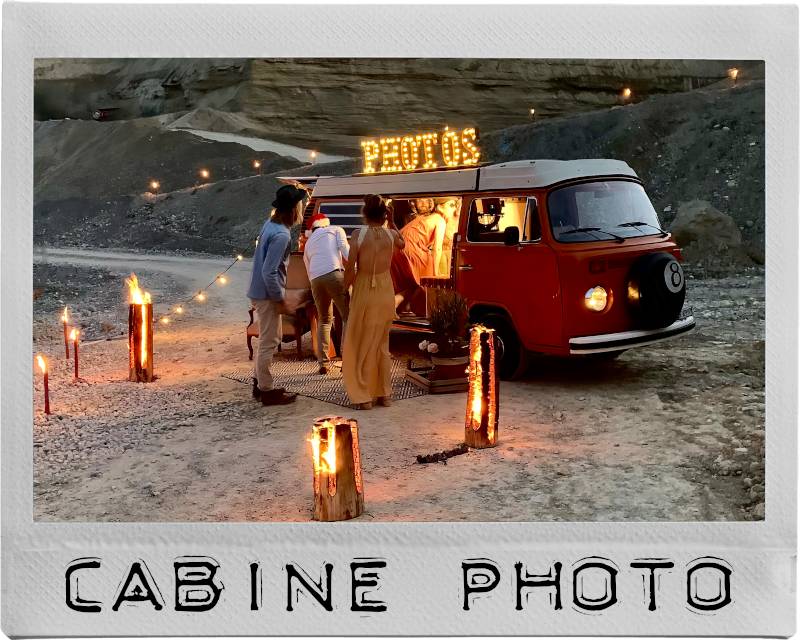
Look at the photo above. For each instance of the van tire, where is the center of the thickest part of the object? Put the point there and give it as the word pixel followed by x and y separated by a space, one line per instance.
pixel 513 359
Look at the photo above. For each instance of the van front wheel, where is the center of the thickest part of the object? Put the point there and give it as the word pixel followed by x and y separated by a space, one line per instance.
pixel 511 355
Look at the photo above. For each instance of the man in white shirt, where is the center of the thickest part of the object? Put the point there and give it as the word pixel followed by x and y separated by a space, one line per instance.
pixel 325 255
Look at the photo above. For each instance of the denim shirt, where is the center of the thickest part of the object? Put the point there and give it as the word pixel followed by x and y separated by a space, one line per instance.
pixel 270 263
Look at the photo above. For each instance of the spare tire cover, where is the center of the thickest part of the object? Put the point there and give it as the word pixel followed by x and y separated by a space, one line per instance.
pixel 656 290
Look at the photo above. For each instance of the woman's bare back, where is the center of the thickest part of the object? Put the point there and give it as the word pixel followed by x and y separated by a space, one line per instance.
pixel 375 248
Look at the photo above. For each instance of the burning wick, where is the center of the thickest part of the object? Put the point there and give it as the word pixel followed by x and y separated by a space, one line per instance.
pixel 73 336
pixel 64 321
pixel 43 366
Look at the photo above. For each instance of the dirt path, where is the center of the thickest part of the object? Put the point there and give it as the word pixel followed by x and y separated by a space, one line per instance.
pixel 670 432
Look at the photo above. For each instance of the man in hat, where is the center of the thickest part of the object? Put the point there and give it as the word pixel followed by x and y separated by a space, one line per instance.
pixel 268 288
pixel 325 255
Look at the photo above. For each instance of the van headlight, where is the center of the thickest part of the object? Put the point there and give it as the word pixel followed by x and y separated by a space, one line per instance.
pixel 595 299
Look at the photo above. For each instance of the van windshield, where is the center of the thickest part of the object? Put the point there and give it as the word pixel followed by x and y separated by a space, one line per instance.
pixel 603 210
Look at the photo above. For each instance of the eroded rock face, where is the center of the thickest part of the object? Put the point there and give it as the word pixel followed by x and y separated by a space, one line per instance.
pixel 328 104
pixel 706 234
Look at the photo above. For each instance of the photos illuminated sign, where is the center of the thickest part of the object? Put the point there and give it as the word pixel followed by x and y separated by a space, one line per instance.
pixel 422 151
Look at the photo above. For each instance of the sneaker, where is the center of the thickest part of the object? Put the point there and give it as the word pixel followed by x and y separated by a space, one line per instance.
pixel 277 396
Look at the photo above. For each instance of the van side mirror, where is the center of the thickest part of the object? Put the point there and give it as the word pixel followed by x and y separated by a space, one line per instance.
pixel 511 236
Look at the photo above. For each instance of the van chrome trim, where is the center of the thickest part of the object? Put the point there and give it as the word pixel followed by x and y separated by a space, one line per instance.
pixel 627 339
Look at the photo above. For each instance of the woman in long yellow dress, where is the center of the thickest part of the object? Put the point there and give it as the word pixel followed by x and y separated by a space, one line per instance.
pixel 366 361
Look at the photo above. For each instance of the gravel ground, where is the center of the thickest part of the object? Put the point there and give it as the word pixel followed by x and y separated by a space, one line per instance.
pixel 672 432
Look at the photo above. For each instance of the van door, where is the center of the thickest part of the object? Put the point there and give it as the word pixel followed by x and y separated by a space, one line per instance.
pixel 520 279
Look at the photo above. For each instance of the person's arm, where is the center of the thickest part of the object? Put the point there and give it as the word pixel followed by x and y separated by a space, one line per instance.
pixel 276 251
pixel 399 242
pixel 352 260
pixel 341 242
pixel 438 240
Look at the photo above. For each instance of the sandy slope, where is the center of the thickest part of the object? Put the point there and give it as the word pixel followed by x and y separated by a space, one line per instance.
pixel 632 440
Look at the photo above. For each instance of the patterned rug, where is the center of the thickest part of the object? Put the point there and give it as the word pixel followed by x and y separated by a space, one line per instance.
pixel 300 376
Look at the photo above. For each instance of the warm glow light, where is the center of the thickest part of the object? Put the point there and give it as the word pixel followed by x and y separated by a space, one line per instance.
pixel 41 362
pixel 240 257
pixel 154 185
pixel 482 400
pixel 324 461
pixel 733 73
pixel 205 173
pixel 222 279
pixel 137 296
pixel 165 320
pixel 201 296
pixel 256 164
pixel 533 111
pixel 179 310
pixel 596 299
pixel 626 93
pixel 73 334
pixel 413 152
pixel 313 155
pixel 65 316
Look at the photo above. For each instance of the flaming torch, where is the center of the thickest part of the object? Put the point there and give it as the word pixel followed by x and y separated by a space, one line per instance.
pixel 338 485
pixel 65 322
pixel 483 399
pixel 73 336
pixel 140 333
pixel 43 366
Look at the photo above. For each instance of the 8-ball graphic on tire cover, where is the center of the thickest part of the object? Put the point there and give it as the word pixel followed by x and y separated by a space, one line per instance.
pixel 656 290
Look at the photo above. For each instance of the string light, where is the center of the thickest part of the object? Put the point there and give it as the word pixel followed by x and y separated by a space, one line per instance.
pixel 409 152
pixel 200 296
pixel 371 152
pixel 451 148
pixel 469 137
pixel 428 141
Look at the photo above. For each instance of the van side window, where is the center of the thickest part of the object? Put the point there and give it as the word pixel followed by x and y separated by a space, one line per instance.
pixel 343 214
pixel 490 217
pixel 533 225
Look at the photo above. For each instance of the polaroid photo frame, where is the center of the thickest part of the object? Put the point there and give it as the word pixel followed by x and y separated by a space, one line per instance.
pixel 368 577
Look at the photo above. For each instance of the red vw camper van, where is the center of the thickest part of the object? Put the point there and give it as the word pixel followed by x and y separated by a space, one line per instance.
pixel 560 257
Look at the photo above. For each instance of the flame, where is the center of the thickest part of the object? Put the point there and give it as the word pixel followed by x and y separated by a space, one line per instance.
pixel 65 315
pixel 325 462
pixel 475 381
pixel 42 364
pixel 73 334
pixel 137 296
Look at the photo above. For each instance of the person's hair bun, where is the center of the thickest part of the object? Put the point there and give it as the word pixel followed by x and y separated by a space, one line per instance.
pixel 375 208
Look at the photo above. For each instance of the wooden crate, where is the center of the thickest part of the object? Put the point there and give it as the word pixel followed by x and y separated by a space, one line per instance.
pixel 419 376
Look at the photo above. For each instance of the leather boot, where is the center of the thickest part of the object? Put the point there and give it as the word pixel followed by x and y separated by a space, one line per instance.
pixel 277 396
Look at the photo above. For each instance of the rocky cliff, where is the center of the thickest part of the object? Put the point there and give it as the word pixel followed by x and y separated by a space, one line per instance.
pixel 328 104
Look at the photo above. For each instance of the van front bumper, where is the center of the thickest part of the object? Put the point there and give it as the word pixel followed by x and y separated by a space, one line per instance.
pixel 629 339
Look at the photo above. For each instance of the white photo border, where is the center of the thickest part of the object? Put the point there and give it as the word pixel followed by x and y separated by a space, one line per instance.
pixel 422 582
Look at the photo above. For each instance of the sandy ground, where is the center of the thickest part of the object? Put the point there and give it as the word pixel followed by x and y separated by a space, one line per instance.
pixel 666 433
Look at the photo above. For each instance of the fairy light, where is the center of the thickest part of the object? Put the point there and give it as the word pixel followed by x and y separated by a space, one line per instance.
pixel 734 74
pixel 390 152
pixel 179 309
pixel 205 174
pixel 222 279
pixel 201 296
pixel 627 93
pixel 469 138
pixel 371 151
pixel 409 152
pixel 451 148
pixel 428 141
pixel 240 257
pixel 155 185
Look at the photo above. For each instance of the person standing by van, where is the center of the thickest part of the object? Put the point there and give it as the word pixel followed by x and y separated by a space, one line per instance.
pixel 325 255
pixel 423 238
pixel 366 362
pixel 268 288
